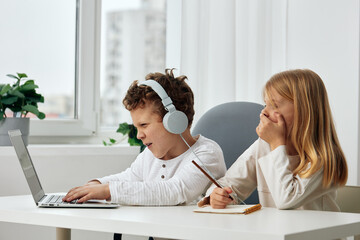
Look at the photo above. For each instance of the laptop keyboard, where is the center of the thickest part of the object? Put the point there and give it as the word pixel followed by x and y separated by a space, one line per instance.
pixel 58 199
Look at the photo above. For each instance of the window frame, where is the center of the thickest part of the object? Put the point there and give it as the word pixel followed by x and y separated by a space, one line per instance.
pixel 87 76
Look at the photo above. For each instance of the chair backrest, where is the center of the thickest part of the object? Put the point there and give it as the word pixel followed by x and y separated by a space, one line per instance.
pixel 348 199
pixel 232 125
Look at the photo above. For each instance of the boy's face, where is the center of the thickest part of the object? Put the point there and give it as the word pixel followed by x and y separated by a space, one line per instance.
pixel 153 134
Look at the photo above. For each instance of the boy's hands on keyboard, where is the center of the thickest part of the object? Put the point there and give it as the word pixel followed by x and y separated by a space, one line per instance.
pixel 58 199
pixel 92 190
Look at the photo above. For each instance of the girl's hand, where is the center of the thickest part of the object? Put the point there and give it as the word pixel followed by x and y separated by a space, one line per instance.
pixel 87 192
pixel 273 132
pixel 220 197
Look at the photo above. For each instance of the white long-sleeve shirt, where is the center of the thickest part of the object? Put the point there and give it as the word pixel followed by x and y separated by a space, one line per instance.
pixel 151 181
pixel 271 172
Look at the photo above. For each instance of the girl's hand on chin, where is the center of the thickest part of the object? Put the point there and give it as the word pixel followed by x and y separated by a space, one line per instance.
pixel 274 133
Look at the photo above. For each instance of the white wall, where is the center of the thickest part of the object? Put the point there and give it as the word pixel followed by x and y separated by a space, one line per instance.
pixel 59 168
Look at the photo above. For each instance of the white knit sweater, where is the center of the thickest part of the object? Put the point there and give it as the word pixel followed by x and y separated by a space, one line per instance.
pixel 151 181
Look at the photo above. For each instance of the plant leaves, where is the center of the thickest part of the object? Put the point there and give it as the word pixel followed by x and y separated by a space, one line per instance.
pixel 110 143
pixel 22 75
pixel 28 85
pixel 123 128
pixel 13 76
pixel 5 89
pixel 21 98
pixel 15 109
pixel 30 81
pixel 133 131
pixel 9 100
pixel 31 108
pixel 16 93
pixel 132 142
pixel 34 99
pixel 41 115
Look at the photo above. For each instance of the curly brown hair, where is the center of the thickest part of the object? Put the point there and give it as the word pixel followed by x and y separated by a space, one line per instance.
pixel 176 88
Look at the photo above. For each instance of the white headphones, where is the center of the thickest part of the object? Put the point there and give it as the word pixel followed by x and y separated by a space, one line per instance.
pixel 174 121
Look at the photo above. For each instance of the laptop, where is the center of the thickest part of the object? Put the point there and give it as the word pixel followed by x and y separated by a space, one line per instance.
pixel 41 199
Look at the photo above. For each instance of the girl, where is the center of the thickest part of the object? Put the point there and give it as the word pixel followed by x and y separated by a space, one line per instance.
pixel 297 162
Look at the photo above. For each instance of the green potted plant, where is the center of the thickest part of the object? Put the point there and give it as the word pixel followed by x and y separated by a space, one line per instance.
pixel 131 132
pixel 20 98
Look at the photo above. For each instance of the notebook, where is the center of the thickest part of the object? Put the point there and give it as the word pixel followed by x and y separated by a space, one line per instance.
pixel 232 209
pixel 41 199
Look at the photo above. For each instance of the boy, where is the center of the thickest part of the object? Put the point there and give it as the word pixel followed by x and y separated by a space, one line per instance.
pixel 163 173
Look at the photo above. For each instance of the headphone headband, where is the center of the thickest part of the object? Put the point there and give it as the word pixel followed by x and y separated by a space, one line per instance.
pixel 165 99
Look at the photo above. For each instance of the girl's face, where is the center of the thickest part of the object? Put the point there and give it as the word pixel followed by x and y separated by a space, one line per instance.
pixel 151 131
pixel 280 105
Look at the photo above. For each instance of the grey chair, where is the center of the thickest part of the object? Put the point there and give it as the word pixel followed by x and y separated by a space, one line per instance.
pixel 232 125
pixel 348 199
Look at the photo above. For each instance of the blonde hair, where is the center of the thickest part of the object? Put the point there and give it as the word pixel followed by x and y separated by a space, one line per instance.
pixel 313 133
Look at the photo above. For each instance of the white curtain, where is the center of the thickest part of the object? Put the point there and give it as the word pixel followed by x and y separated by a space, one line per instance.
pixel 230 48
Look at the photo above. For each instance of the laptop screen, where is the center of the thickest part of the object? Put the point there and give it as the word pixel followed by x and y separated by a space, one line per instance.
pixel 26 164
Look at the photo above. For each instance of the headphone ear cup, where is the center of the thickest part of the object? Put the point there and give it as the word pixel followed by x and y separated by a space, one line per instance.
pixel 175 122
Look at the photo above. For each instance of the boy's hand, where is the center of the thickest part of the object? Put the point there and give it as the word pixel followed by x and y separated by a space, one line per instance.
pixel 274 133
pixel 220 197
pixel 91 190
pixel 93 182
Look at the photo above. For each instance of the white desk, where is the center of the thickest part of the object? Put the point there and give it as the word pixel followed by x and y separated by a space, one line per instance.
pixel 182 223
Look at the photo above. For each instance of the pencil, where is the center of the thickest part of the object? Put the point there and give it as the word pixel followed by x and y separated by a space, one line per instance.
pixel 209 177
pixel 253 208
pixel 206 174
pixel 215 182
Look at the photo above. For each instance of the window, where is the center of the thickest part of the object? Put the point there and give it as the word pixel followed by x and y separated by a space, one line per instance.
pixel 38 38
pixel 133 42
pixel 84 66
pixel 55 42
